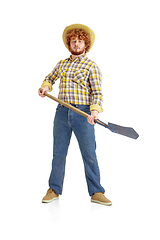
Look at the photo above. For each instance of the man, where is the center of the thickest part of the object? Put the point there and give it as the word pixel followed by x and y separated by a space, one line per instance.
pixel 80 85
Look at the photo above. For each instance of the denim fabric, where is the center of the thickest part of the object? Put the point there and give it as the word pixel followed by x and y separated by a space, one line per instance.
pixel 65 122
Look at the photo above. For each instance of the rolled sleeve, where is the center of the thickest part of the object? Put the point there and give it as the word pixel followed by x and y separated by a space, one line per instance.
pixel 51 77
pixel 96 87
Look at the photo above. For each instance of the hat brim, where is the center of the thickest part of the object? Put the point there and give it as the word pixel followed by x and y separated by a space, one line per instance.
pixel 79 26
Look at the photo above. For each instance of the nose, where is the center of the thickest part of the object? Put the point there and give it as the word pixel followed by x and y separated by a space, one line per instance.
pixel 76 43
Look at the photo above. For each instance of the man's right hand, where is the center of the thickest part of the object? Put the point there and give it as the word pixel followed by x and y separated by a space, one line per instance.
pixel 44 89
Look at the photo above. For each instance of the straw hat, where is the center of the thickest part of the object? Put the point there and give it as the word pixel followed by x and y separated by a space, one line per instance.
pixel 79 26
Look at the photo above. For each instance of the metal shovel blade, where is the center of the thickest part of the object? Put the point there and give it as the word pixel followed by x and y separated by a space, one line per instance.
pixel 125 131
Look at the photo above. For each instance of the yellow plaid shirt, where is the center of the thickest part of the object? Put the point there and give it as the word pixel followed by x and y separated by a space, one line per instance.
pixel 80 82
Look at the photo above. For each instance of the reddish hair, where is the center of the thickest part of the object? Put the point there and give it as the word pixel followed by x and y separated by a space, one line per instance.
pixel 81 34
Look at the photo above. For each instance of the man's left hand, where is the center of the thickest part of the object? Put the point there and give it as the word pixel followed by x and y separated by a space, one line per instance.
pixel 92 117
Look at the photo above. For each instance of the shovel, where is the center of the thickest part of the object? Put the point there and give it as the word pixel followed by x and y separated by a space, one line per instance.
pixel 125 131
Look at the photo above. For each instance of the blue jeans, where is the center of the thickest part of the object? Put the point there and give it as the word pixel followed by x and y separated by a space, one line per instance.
pixel 65 122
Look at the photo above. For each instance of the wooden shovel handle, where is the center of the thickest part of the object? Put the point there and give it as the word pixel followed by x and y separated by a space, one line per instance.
pixel 65 104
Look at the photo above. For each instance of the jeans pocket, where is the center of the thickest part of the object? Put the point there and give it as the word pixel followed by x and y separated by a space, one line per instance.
pixel 59 107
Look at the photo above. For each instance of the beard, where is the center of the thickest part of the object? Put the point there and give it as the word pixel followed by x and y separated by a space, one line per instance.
pixel 74 52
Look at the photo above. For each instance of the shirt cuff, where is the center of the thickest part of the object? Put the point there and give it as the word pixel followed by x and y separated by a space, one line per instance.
pixel 96 107
pixel 47 84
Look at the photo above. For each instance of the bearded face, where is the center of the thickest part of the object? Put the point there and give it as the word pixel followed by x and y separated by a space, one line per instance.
pixel 77 46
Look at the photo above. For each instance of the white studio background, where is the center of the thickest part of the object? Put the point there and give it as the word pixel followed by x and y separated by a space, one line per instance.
pixel 127 50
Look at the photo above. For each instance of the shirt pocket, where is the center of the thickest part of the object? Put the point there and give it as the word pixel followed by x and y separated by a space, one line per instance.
pixel 81 77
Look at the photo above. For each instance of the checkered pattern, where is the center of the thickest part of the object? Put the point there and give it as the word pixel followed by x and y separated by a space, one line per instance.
pixel 80 81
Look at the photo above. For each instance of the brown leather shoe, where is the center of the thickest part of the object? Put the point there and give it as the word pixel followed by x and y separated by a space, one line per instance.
pixel 101 199
pixel 50 196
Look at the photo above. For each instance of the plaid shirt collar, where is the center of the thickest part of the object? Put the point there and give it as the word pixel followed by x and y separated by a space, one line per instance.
pixel 78 58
